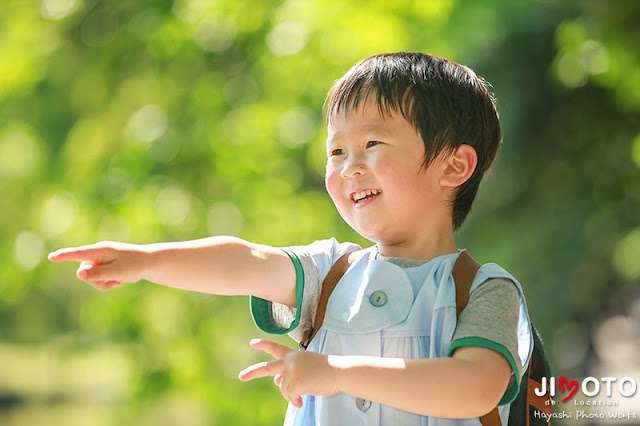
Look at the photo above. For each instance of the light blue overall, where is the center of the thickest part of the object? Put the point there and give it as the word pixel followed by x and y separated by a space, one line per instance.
pixel 375 310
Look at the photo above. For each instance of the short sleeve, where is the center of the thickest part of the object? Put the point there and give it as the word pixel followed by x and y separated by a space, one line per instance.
pixel 312 263
pixel 490 320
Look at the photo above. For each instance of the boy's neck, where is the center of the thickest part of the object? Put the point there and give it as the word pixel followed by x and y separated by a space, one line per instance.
pixel 421 248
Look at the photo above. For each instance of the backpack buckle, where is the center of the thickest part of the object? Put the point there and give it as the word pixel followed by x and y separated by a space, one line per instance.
pixel 306 339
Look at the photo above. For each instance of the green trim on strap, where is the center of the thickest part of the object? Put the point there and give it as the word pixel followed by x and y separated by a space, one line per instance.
pixel 512 391
pixel 260 308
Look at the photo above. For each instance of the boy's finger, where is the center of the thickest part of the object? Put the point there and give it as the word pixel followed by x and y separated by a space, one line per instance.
pixel 262 369
pixel 97 273
pixel 88 272
pixel 111 284
pixel 104 286
pixel 277 379
pixel 272 348
pixel 293 398
pixel 77 254
pixel 297 401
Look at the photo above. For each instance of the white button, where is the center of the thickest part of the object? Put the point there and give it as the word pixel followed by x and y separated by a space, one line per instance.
pixel 378 298
pixel 363 404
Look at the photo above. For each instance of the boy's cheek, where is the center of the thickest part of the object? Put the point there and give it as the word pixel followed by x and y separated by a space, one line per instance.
pixel 331 173
pixel 334 188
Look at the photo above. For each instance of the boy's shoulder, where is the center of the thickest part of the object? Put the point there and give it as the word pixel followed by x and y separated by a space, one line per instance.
pixel 489 271
pixel 330 248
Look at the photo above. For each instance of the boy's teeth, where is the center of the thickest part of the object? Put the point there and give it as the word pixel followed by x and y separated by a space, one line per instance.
pixel 363 194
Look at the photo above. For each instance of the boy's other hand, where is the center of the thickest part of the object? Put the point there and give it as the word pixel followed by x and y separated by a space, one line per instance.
pixel 295 372
pixel 105 265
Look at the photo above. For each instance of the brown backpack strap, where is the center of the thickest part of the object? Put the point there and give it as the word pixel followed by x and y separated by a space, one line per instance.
pixel 491 418
pixel 331 280
pixel 542 403
pixel 464 271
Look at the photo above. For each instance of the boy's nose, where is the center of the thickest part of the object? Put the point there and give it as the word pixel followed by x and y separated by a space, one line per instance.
pixel 353 167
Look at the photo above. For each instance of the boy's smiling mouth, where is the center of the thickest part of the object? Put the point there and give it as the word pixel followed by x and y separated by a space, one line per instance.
pixel 368 194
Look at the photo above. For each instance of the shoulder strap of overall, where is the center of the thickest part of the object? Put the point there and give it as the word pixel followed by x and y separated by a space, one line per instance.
pixel 331 280
pixel 464 271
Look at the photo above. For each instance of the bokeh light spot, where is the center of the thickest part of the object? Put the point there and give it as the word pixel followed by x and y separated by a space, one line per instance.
pixel 570 35
pixel 570 70
pixel 58 214
pixel 147 123
pixel 287 38
pixel 214 34
pixel 28 249
pixel 173 206
pixel 224 218
pixel 165 149
pixel 297 126
pixel 625 257
pixel 190 10
pixel 569 346
pixel 58 9
pixel 595 57
pixel 615 340
pixel 20 154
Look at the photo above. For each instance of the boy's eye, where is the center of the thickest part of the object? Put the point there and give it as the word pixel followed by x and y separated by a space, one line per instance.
pixel 372 143
pixel 337 151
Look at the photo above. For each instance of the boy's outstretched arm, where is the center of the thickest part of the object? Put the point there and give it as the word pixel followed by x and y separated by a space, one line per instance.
pixel 217 265
pixel 468 384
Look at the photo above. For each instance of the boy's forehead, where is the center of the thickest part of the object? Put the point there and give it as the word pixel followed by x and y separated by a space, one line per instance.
pixel 365 118
pixel 337 129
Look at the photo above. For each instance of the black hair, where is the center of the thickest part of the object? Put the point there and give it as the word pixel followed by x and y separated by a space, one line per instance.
pixel 447 103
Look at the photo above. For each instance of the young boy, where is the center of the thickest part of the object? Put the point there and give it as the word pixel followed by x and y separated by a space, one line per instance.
pixel 410 137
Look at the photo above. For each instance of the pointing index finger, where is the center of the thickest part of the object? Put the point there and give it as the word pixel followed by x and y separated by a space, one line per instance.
pixel 272 348
pixel 78 254
pixel 261 369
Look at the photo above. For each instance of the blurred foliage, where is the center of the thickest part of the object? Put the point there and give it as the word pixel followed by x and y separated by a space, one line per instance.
pixel 173 120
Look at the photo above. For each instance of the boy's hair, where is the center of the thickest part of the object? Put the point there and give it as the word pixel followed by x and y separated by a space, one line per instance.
pixel 447 103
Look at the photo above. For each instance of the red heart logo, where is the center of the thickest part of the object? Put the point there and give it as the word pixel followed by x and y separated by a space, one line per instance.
pixel 566 385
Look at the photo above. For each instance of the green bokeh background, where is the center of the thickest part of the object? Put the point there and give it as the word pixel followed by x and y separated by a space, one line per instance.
pixel 147 121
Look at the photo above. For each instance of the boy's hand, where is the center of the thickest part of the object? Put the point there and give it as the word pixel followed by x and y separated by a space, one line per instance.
pixel 105 265
pixel 295 372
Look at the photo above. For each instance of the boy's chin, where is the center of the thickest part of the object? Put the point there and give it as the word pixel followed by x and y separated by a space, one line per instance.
pixel 371 230
pixel 374 235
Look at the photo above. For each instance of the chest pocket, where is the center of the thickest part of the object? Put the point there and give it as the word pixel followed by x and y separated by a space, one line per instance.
pixel 371 296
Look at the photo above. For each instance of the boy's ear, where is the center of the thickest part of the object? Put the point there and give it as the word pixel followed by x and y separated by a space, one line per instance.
pixel 459 166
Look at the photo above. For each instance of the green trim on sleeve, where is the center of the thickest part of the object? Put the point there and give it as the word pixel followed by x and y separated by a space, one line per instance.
pixel 261 308
pixel 512 391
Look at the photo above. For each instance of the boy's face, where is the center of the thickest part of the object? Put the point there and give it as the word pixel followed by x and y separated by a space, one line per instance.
pixel 374 175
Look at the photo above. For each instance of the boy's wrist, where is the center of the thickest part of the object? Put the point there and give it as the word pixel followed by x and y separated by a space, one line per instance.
pixel 336 365
pixel 340 367
pixel 353 373
pixel 149 256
